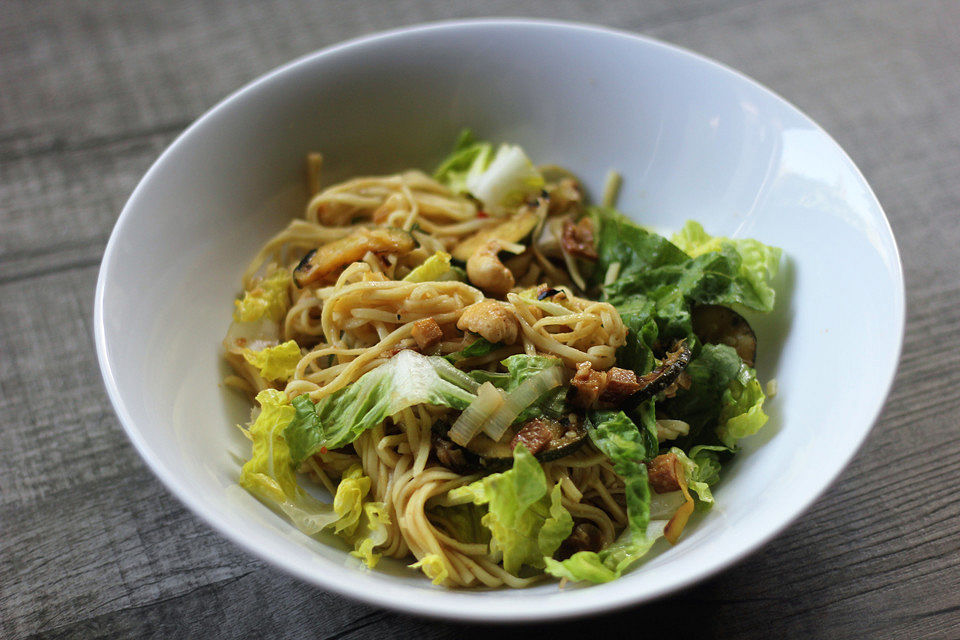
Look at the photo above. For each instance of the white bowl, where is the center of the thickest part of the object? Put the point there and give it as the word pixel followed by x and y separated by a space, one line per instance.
pixel 692 138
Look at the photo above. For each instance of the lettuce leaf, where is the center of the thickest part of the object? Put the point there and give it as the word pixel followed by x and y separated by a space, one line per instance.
pixel 724 396
pixel 759 262
pixel 479 347
pixel 619 438
pixel 275 363
pixel 498 180
pixel 408 379
pixel 360 522
pixel 433 566
pixel 465 521
pixel 469 156
pixel 525 517
pixel 657 282
pixel 701 470
pixel 268 298
pixel 436 268
pixel 269 474
pixel 742 413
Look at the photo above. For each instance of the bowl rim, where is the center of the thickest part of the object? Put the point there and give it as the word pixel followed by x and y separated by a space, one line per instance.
pixel 457 605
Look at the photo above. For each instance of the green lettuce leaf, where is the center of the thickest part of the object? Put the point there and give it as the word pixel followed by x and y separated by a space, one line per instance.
pixel 657 282
pixel 498 180
pixel 436 268
pixel 469 157
pixel 479 347
pixel 724 402
pixel 701 469
pixel 465 522
pixel 275 363
pixel 408 379
pixel 742 413
pixel 759 263
pixel 269 474
pixel 622 441
pixel 359 521
pixel 526 519
pixel 433 566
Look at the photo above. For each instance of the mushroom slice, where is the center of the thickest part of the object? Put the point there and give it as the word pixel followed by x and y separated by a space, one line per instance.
pixel 714 324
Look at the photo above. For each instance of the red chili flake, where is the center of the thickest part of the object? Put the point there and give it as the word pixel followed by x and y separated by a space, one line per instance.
pixel 482 214
pixel 323 449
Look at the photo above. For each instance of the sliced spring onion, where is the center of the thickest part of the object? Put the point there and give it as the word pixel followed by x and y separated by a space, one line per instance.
pixel 611 188
pixel 470 422
pixel 613 272
pixel 520 398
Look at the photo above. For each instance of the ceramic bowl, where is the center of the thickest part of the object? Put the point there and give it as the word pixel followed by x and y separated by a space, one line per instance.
pixel 692 138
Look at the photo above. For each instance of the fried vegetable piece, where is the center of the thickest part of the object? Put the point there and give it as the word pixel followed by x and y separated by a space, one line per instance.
pixel 450 455
pixel 512 230
pixel 621 384
pixel 332 256
pixel 535 435
pixel 719 325
pixel 613 387
pixel 663 473
pixel 427 333
pixel 578 239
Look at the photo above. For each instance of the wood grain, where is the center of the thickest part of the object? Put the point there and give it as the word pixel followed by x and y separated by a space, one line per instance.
pixel 92 546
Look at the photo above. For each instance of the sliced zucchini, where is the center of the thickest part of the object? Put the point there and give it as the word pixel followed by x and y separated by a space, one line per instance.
pixel 513 230
pixel 330 257
pixel 714 324
pixel 665 375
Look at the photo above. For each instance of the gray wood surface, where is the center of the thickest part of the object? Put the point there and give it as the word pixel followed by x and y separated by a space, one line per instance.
pixel 91 545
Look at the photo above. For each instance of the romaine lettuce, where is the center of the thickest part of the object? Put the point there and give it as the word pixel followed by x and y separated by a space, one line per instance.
pixel 526 519
pixel 742 413
pixel 433 566
pixel 724 394
pixel 479 347
pixel 759 263
pixel 658 283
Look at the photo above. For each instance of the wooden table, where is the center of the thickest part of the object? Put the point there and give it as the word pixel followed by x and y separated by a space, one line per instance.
pixel 91 545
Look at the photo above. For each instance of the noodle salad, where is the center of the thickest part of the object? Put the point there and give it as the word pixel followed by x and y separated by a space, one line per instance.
pixel 491 379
